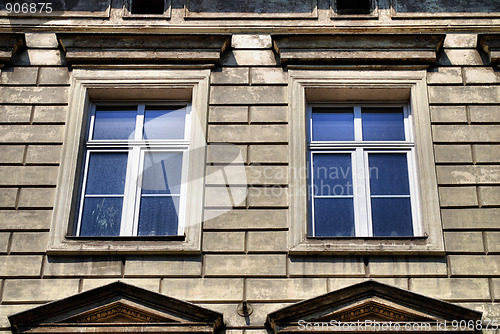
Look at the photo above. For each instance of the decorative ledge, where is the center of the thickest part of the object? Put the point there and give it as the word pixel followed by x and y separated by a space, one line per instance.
pixel 9 43
pixel 491 44
pixel 139 49
pixel 358 49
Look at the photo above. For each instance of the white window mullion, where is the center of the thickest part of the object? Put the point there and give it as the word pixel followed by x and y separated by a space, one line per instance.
pixel 313 224
pixel 414 193
pixel 130 192
pixel 358 127
pixel 82 194
pixel 363 227
pixel 139 122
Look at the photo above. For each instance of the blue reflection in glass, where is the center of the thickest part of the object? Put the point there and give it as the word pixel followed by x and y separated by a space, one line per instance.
pixel 158 216
pixel 162 173
pixel 391 217
pixel 383 124
pixel 114 124
pixel 332 174
pixel 106 173
pixel 388 174
pixel 101 216
pixel 334 217
pixel 167 123
pixel 332 124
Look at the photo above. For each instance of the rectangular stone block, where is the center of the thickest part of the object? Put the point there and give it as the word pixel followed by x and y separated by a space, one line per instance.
pixel 268 114
pixel 245 265
pixel 470 218
pixel 492 243
pixel 43 154
pixel 20 265
pixel 448 114
pixel 31 133
pixel 240 175
pixel 19 76
pixel 40 40
pixel 231 75
pixel 466 133
pixel 39 290
pixel 458 196
pixel 82 266
pixel 29 242
pixel 464 242
pixel 152 284
pixel 464 94
pixel 28 176
pixel 268 153
pixel 267 197
pixel 453 153
pixel 489 196
pixel 474 265
pixel 226 114
pixel 469 57
pixel 452 289
pixel 483 75
pixel 407 266
pixel 490 311
pixel 340 283
pixel 445 75
pixel 226 153
pixel 453 41
pixel 15 114
pixel 223 241
pixel 250 58
pixel 248 95
pixel 8 197
pixel 484 174
pixel 25 220
pixel 162 266
pixel 36 197
pixel 247 134
pixel 204 289
pixel 267 241
pixel 325 266
pixel 268 75
pixel 7 310
pixel 229 197
pixel 243 41
pixel 4 242
pixel 53 76
pixel 288 289
pixel 246 219
pixel 49 114
pixel 487 153
pixel 40 58
pixel 34 95
pixel 484 114
pixel 11 154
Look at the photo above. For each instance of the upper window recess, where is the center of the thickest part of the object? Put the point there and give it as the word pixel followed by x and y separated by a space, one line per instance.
pixel 154 7
pixel 350 7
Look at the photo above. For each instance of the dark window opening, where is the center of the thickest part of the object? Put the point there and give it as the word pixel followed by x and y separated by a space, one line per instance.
pixel 347 7
pixel 147 6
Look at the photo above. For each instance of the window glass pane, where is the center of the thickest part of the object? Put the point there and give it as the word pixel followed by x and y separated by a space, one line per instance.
pixel 106 173
pixel 334 217
pixel 388 174
pixel 332 124
pixel 383 124
pixel 101 216
pixel 158 215
pixel 116 123
pixel 391 217
pixel 164 123
pixel 162 173
pixel 332 174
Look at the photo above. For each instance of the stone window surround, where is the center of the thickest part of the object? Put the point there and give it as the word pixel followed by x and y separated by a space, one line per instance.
pixel 312 86
pixel 138 84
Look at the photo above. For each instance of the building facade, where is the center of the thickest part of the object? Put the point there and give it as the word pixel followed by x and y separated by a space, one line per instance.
pixel 249 167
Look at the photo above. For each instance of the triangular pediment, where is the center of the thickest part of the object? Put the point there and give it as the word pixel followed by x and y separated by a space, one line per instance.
pixel 366 305
pixel 117 306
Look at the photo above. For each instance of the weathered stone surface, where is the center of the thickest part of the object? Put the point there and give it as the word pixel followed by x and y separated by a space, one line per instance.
pixel 36 197
pixel 231 75
pixel 248 95
pixel 226 153
pixel 223 114
pixel 161 266
pixel 247 133
pixel 268 153
pixel 491 311
pixel 19 76
pixel 31 133
pixel 4 241
pixel 232 197
pixel 250 58
pixel 20 265
pixel 240 175
pixel 12 154
pixel 470 218
pixel 468 57
pixel 457 196
pixel 489 196
pixel 470 242
pixel 339 283
pixel 245 265
pixel 223 241
pixel 267 241
pixel 484 75
pixel 40 58
pixel 41 40
pixel 453 153
pixel 267 197
pixel 8 197
pixel 29 176
pixel 246 219
pixel 29 242
pixel 241 41
pixel 152 284
pixel 484 114
pixel 268 114
pixel 6 310
pixel 451 289
pixel 260 75
pixel 454 41
pixel 407 266
pixel 25 219
pixel 485 174
pixel 474 265
pixel 325 266
pixel 84 266
pixel 40 290
pixel 15 114
pixel 493 244
pixel 204 289
pixel 290 289
pixel 466 133
pixel 487 153
pixel 38 95
pixel 49 114
pixel 445 75
pixel 53 76
pixel 464 94
pixel 43 154
pixel 448 114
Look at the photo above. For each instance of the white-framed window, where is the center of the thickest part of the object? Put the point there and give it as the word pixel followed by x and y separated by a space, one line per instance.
pixel 135 170
pixel 362 176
